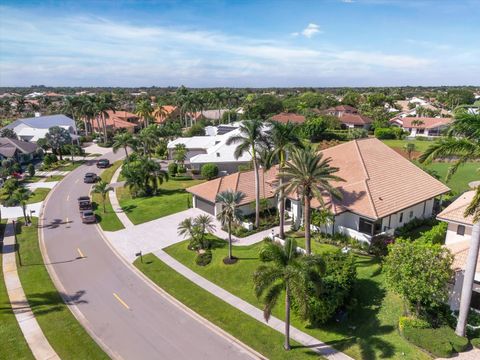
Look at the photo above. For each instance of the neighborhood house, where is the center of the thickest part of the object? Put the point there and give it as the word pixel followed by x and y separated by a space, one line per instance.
pixel 382 190
pixel 422 126
pixel 349 117
pixel 18 150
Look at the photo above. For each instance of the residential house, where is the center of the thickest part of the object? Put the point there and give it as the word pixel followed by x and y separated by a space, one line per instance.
pixel 32 129
pixel 457 240
pixel 285 117
pixel 118 120
pixel 382 190
pixel 169 112
pixel 422 126
pixel 349 117
pixel 20 151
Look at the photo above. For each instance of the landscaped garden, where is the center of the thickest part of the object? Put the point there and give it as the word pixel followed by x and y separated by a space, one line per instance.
pixel 64 333
pixel 12 341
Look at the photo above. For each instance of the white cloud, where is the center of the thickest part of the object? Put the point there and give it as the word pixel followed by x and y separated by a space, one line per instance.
pixel 348 1
pixel 311 30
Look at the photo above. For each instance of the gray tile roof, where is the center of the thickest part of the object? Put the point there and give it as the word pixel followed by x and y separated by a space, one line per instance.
pixel 23 146
pixel 44 122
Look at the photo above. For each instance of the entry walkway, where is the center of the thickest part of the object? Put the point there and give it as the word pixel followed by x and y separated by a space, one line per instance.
pixel 114 201
pixel 32 332
pixel 275 323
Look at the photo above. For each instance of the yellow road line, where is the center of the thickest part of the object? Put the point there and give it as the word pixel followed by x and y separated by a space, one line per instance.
pixel 121 301
pixel 80 253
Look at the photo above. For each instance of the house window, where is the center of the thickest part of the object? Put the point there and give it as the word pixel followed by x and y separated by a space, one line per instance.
pixel 365 226
pixel 288 205
pixel 411 214
pixel 218 154
pixel 401 218
pixel 461 230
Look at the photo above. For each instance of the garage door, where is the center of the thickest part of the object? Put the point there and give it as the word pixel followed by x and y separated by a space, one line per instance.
pixel 205 205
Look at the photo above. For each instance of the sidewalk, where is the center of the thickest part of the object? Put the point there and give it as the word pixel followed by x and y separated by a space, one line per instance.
pixel 51 173
pixel 114 201
pixel 32 332
pixel 41 184
pixel 14 212
pixel 275 323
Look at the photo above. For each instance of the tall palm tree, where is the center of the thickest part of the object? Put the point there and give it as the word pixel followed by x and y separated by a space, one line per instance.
pixel 205 226
pixel 230 213
pixel 103 189
pixel 149 138
pixel 251 139
pixel 284 137
pixel 144 110
pixel 286 270
pixel 21 196
pixel 123 141
pixel 463 143
pixel 73 106
pixel 309 175
pixel 103 104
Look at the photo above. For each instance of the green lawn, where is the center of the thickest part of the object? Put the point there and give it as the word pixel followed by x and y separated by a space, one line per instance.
pixel 243 327
pixel 62 330
pixel 71 166
pixel 39 194
pixel 172 199
pixel 399 144
pixel 459 182
pixel 34 179
pixel 53 178
pixel 371 329
pixel 12 342
pixel 109 220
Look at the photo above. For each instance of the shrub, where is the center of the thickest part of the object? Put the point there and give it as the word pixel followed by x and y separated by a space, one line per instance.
pixel 435 341
pixel 49 159
pixel 459 343
pixel 412 322
pixel 245 167
pixel 172 169
pixel 357 134
pixel 181 169
pixel 436 235
pixel 31 170
pixel 476 342
pixel 204 258
pixel 379 245
pixel 406 230
pixel 180 178
pixel 388 133
pixel 209 171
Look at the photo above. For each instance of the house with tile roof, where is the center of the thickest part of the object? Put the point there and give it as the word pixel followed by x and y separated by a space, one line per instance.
pixel 18 150
pixel 382 190
pixel 169 112
pixel 118 120
pixel 32 129
pixel 457 240
pixel 285 117
pixel 349 117
pixel 422 126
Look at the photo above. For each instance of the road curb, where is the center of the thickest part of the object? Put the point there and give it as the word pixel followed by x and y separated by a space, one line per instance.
pixel 59 286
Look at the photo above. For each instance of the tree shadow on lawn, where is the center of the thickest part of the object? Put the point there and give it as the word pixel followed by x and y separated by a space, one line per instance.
pixel 129 208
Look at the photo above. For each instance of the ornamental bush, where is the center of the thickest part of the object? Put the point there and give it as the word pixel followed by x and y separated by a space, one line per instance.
pixel 204 258
pixel 31 170
pixel 435 341
pixel 389 133
pixel 172 169
pixel 476 342
pixel 209 171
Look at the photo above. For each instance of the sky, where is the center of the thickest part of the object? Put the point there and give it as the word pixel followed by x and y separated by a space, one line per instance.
pixel 262 43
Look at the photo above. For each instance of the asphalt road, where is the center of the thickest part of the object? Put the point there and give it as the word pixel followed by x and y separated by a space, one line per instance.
pixel 130 317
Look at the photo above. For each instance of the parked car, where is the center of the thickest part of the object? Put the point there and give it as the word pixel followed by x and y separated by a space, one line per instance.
pixel 88 217
pixel 103 163
pixel 84 203
pixel 90 178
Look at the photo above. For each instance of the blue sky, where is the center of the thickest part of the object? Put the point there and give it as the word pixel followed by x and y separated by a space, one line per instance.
pixel 240 43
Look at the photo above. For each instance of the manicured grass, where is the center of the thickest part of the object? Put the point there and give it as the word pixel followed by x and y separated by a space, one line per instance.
pixel 459 182
pixel 172 199
pixel 370 331
pixel 53 178
pixel 109 220
pixel 400 144
pixel 12 342
pixel 70 166
pixel 243 327
pixel 62 330
pixel 39 194
pixel 34 179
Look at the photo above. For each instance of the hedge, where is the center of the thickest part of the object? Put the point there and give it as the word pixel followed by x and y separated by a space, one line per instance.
pixel 476 342
pixel 209 171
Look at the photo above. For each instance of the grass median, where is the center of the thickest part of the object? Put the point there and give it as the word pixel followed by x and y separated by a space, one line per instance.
pixel 251 332
pixel 60 327
pixel 12 342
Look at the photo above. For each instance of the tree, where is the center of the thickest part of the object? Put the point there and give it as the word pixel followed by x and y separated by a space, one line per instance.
pixel 205 226
pixel 144 110
pixel 8 133
pixel 286 270
pixel 56 138
pixel 284 137
pixel 104 103
pixel 309 175
pixel 31 170
pixel 21 196
pixel 250 139
pixel 209 171
pixel 419 273
pixel 322 218
pixel 149 139
pixel 123 141
pixel 409 149
pixel 352 98
pixel 229 214
pixel 103 189
pixel 180 154
pixel 262 107
pixel 143 176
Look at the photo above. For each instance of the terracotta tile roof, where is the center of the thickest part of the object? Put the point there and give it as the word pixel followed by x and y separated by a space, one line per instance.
pixel 122 115
pixel 168 110
pixel 284 117
pixel 343 108
pixel 425 122
pixel 454 211
pixel 378 181
pixel 116 123
pixel 460 252
pixel 355 119
pixel 241 181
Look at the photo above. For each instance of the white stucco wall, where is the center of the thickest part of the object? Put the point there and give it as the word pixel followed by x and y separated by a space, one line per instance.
pixel 422 210
pixel 452 236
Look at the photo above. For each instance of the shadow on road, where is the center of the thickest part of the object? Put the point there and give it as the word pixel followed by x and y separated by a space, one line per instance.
pixel 55 223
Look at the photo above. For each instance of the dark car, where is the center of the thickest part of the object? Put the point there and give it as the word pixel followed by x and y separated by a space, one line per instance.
pixel 84 203
pixel 103 163
pixel 90 178
pixel 88 217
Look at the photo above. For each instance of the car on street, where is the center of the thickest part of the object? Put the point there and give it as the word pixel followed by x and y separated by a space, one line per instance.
pixel 84 203
pixel 88 217
pixel 103 163
pixel 90 178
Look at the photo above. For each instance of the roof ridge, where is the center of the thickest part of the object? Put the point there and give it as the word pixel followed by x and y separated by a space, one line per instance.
pixel 372 204
pixel 238 179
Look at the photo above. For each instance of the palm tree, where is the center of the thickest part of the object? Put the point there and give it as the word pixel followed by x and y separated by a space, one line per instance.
pixel 149 138
pixel 102 188
pixel 309 175
pixel 284 137
pixel 186 228
pixel 205 225
pixel 21 196
pixel 409 148
pixel 123 140
pixel 250 140
pixel 144 110
pixel 463 143
pixel 287 270
pixel 230 213
pixel 103 104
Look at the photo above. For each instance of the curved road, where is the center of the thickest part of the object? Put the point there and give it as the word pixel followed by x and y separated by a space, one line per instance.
pixel 132 319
